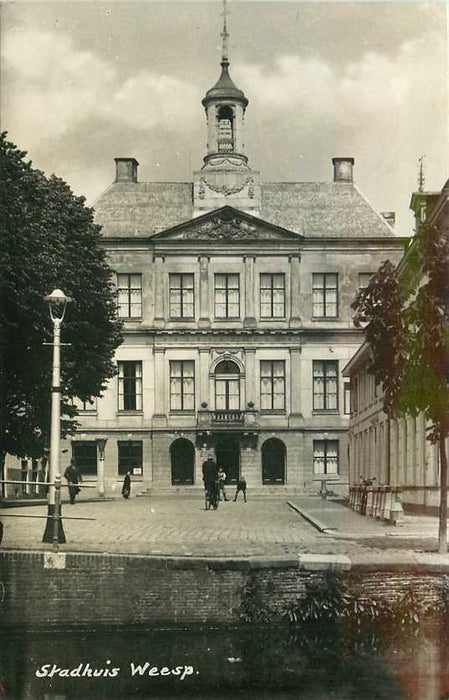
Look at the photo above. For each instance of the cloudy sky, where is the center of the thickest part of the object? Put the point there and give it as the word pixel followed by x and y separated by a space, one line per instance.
pixel 84 82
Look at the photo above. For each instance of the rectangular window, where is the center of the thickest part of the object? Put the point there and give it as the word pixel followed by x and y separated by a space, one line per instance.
pixel 347 398
pixel 227 296
pixel 130 457
pixel 85 406
pixel 272 385
pixel 272 295
pixel 325 456
pixel 129 295
pixel 182 297
pixel 364 279
pixel 129 386
pixel 182 385
pixel 325 385
pixel 325 295
pixel 85 456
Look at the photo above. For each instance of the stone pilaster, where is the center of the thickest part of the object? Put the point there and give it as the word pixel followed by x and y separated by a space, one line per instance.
pixel 295 291
pixel 160 389
pixel 159 292
pixel 250 375
pixel 204 319
pixel 296 417
pixel 250 305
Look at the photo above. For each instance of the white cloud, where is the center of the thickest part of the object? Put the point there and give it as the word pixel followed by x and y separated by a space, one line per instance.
pixel 53 87
pixel 377 86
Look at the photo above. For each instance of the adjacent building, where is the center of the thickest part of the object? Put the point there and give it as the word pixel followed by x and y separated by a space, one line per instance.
pixel 395 452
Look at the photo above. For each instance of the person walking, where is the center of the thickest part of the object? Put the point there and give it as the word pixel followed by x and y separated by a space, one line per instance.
pixel 73 479
pixel 241 486
pixel 126 489
pixel 221 483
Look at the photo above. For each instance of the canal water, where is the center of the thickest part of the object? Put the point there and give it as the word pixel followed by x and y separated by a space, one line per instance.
pixel 222 663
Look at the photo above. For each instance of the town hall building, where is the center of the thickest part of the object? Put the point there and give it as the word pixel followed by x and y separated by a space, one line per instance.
pixel 235 296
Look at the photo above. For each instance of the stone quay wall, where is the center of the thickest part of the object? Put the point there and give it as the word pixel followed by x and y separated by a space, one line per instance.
pixel 45 590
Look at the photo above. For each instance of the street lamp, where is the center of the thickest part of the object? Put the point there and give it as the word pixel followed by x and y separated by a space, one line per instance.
pixel 101 444
pixel 57 302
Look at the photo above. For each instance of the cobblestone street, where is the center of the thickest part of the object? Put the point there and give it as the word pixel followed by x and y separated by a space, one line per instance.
pixel 181 527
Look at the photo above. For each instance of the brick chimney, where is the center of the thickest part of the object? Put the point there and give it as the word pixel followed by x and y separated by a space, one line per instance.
pixel 343 169
pixel 126 169
pixel 390 217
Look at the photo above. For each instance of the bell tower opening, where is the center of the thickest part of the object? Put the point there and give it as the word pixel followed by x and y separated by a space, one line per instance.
pixel 225 129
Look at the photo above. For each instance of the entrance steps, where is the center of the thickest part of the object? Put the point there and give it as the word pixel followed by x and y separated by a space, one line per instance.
pixel 253 491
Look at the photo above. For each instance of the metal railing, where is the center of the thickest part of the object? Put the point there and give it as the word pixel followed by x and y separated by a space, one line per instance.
pixel 378 502
pixel 54 516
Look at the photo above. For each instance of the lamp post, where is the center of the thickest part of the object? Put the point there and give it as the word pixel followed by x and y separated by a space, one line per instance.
pixel 101 443
pixel 57 302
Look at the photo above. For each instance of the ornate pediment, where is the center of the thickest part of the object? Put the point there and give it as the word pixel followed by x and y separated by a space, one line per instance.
pixel 227 224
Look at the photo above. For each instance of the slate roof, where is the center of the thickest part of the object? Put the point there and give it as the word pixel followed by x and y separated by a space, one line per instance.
pixel 313 209
pixel 138 209
pixel 322 209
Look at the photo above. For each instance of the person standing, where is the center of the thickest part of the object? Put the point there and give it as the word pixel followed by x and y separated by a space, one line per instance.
pixel 241 486
pixel 126 489
pixel 210 479
pixel 221 483
pixel 73 479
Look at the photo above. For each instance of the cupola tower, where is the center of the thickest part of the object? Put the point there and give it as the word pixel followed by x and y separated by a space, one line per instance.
pixel 225 177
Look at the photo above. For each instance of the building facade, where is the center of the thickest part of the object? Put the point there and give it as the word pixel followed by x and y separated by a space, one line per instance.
pixel 235 296
pixel 395 452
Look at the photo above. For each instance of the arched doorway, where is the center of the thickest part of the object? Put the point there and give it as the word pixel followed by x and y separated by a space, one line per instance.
pixel 227 455
pixel 182 457
pixel 273 461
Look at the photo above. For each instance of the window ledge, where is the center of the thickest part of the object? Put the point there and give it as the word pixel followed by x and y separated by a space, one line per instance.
pixel 326 411
pixel 131 319
pixel 130 413
pixel 219 319
pixel 178 319
pixel 273 412
pixel 273 318
pixel 326 318
pixel 181 412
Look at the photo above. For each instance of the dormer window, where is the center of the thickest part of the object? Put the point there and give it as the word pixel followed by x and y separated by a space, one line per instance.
pixel 225 129
pixel 423 213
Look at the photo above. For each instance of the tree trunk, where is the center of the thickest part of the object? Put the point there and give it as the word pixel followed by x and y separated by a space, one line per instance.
pixel 442 529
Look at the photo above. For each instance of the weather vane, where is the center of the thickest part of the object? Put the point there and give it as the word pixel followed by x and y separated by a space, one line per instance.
pixel 224 33
pixel 421 177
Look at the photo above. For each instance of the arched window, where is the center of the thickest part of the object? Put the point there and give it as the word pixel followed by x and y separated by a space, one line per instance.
pixel 273 461
pixel 182 458
pixel 227 386
pixel 225 129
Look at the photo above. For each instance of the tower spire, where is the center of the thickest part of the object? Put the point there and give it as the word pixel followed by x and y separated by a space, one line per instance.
pixel 225 36
pixel 421 176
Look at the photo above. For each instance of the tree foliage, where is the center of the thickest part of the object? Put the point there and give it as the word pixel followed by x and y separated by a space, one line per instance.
pixel 427 315
pixel 407 312
pixel 380 305
pixel 48 240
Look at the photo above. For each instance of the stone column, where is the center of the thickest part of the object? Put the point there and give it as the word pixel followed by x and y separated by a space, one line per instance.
pixel 250 315
pixel 160 390
pixel 296 417
pixel 204 319
pixel 159 292
pixel 295 291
